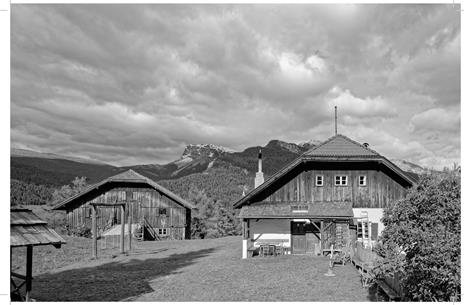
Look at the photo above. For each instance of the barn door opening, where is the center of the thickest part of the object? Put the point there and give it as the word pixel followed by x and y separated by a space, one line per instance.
pixel 298 237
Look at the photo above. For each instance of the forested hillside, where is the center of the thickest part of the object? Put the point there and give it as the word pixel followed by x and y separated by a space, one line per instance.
pixel 57 172
pixel 28 193
pixel 220 182
pixel 213 192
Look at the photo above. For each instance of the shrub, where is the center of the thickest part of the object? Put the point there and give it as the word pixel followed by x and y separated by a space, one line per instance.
pixel 82 231
pixel 421 240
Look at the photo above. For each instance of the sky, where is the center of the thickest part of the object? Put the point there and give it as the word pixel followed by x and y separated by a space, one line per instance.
pixel 134 84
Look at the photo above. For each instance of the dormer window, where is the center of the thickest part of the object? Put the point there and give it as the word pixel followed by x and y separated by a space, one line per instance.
pixel 362 180
pixel 341 180
pixel 319 180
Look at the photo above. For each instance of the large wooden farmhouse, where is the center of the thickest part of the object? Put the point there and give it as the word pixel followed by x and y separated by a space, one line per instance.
pixel 158 211
pixel 330 195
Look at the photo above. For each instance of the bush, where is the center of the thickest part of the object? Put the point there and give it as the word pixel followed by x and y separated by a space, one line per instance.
pixel 82 231
pixel 422 240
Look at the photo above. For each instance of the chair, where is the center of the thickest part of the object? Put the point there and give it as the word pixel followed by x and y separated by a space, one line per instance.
pixel 264 250
pixel 272 250
pixel 279 249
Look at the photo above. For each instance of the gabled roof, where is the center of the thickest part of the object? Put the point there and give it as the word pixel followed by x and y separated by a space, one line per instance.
pixel 336 148
pixel 27 229
pixel 269 209
pixel 129 176
pixel 341 146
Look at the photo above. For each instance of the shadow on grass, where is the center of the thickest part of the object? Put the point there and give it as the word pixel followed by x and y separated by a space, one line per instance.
pixel 114 281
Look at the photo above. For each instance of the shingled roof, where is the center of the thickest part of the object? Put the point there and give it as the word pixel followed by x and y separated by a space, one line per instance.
pixel 27 229
pixel 129 176
pixel 341 146
pixel 267 209
pixel 334 149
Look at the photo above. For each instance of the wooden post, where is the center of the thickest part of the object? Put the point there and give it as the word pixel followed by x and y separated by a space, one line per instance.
pixel 28 273
pixel 245 239
pixel 123 214
pixel 362 230
pixel 129 223
pixel 322 231
pixel 94 230
pixel 369 232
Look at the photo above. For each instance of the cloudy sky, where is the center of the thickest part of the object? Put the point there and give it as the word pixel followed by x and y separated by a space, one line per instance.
pixel 132 84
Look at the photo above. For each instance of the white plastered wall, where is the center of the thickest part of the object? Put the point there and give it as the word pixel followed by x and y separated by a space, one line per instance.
pixel 270 229
pixel 374 215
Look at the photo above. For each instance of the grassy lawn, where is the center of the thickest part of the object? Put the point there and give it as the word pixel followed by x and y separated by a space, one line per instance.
pixel 191 270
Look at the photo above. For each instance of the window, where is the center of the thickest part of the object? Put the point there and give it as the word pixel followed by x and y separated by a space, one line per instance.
pixel 341 180
pixel 162 231
pixel 364 234
pixel 162 211
pixel 319 180
pixel 362 180
pixel 362 230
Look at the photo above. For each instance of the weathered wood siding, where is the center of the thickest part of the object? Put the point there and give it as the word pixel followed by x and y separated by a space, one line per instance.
pixel 146 204
pixel 380 191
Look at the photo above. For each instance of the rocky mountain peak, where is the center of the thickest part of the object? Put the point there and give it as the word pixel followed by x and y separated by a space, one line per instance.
pixel 196 151
pixel 288 146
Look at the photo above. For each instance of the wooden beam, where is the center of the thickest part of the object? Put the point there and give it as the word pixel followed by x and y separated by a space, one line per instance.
pixel 120 203
pixel 322 232
pixel 129 223
pixel 94 230
pixel 314 224
pixel 122 228
pixel 28 273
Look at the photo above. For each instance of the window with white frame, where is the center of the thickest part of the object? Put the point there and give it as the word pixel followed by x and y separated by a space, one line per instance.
pixel 362 230
pixel 162 231
pixel 341 180
pixel 319 180
pixel 362 180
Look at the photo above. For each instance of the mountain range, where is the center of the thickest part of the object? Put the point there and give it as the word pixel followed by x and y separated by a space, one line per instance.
pixel 56 170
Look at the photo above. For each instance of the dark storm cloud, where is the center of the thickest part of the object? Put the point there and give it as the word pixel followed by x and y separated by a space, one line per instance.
pixel 133 84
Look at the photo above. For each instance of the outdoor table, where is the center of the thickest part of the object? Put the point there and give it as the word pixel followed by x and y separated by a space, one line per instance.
pixel 328 251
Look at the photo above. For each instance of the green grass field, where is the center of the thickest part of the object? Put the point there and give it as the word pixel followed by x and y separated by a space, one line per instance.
pixel 190 270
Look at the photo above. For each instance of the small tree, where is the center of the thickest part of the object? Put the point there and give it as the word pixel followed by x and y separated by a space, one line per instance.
pixel 422 239
pixel 226 221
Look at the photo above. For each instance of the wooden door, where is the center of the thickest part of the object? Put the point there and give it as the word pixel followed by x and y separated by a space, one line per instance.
pixel 298 237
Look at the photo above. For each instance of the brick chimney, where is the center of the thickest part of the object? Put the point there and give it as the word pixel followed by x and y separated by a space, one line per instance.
pixel 259 179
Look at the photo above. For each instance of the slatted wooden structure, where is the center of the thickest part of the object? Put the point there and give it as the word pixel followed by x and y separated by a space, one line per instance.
pixel 131 198
pixel 28 230
pixel 305 200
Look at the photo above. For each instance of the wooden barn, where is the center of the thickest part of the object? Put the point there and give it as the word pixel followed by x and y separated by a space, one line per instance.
pixel 328 196
pixel 150 210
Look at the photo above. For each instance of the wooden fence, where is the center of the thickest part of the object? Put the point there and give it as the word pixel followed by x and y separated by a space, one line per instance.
pixel 364 255
pixel 367 257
